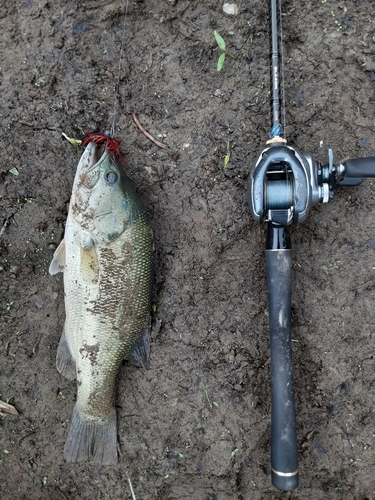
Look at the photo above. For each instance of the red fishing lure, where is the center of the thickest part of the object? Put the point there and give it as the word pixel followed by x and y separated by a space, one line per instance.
pixel 100 139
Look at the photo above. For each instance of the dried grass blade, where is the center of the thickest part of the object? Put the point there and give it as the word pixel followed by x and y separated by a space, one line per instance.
pixel 7 408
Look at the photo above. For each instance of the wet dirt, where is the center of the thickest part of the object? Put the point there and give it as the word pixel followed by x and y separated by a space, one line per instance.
pixel 195 424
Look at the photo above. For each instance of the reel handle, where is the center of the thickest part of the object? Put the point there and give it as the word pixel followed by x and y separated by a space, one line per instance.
pixel 284 454
pixel 359 167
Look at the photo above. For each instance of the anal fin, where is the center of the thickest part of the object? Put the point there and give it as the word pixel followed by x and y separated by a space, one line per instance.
pixel 65 363
pixel 141 351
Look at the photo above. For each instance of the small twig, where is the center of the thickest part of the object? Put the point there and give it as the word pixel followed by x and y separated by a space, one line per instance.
pixel 230 55
pixel 130 486
pixel 26 436
pixel 2 230
pixel 149 136
pixel 61 493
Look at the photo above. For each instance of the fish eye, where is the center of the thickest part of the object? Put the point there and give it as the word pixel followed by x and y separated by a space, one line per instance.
pixel 111 177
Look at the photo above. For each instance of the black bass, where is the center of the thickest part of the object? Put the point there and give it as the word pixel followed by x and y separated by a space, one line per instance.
pixel 106 258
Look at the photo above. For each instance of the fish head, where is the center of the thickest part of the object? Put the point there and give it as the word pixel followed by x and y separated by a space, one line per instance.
pixel 101 201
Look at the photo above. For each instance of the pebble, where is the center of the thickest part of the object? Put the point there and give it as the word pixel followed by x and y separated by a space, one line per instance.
pixel 15 269
pixel 40 302
pixel 231 8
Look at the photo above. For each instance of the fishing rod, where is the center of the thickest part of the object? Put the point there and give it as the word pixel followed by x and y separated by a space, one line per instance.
pixel 283 186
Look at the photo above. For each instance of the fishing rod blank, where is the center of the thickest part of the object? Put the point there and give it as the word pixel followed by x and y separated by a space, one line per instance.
pixel 275 78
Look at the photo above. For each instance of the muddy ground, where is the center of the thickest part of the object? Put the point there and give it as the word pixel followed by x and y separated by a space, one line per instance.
pixel 196 423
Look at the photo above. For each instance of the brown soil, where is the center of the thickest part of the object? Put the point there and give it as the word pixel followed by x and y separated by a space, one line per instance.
pixel 196 423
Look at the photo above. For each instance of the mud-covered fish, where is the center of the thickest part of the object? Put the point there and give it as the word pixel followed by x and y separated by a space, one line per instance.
pixel 106 257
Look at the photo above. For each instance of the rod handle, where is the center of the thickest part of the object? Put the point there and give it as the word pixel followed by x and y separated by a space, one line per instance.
pixel 360 167
pixel 284 454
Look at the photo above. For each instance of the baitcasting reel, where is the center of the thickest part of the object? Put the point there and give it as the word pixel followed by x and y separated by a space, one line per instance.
pixel 284 184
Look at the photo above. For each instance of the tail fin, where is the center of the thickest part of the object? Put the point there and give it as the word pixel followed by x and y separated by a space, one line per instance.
pixel 91 439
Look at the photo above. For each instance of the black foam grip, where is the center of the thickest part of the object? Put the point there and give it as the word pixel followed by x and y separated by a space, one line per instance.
pixel 284 455
pixel 350 182
pixel 360 167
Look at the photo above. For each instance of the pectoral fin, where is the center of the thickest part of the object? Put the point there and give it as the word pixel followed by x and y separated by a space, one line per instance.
pixel 58 262
pixel 65 363
pixel 141 351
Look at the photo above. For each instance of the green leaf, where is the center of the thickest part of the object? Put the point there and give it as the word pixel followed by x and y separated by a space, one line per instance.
pixel 227 156
pixel 74 142
pixel 220 61
pixel 226 159
pixel 14 171
pixel 219 40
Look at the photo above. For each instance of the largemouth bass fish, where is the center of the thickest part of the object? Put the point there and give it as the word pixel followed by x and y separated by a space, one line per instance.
pixel 106 258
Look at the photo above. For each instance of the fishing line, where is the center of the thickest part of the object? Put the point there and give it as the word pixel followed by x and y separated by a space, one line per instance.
pixel 117 88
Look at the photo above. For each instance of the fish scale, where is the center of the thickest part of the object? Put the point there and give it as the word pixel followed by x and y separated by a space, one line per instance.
pixel 106 256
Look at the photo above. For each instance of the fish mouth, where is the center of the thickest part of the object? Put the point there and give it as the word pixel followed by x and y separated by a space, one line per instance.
pixel 98 155
pixel 89 167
